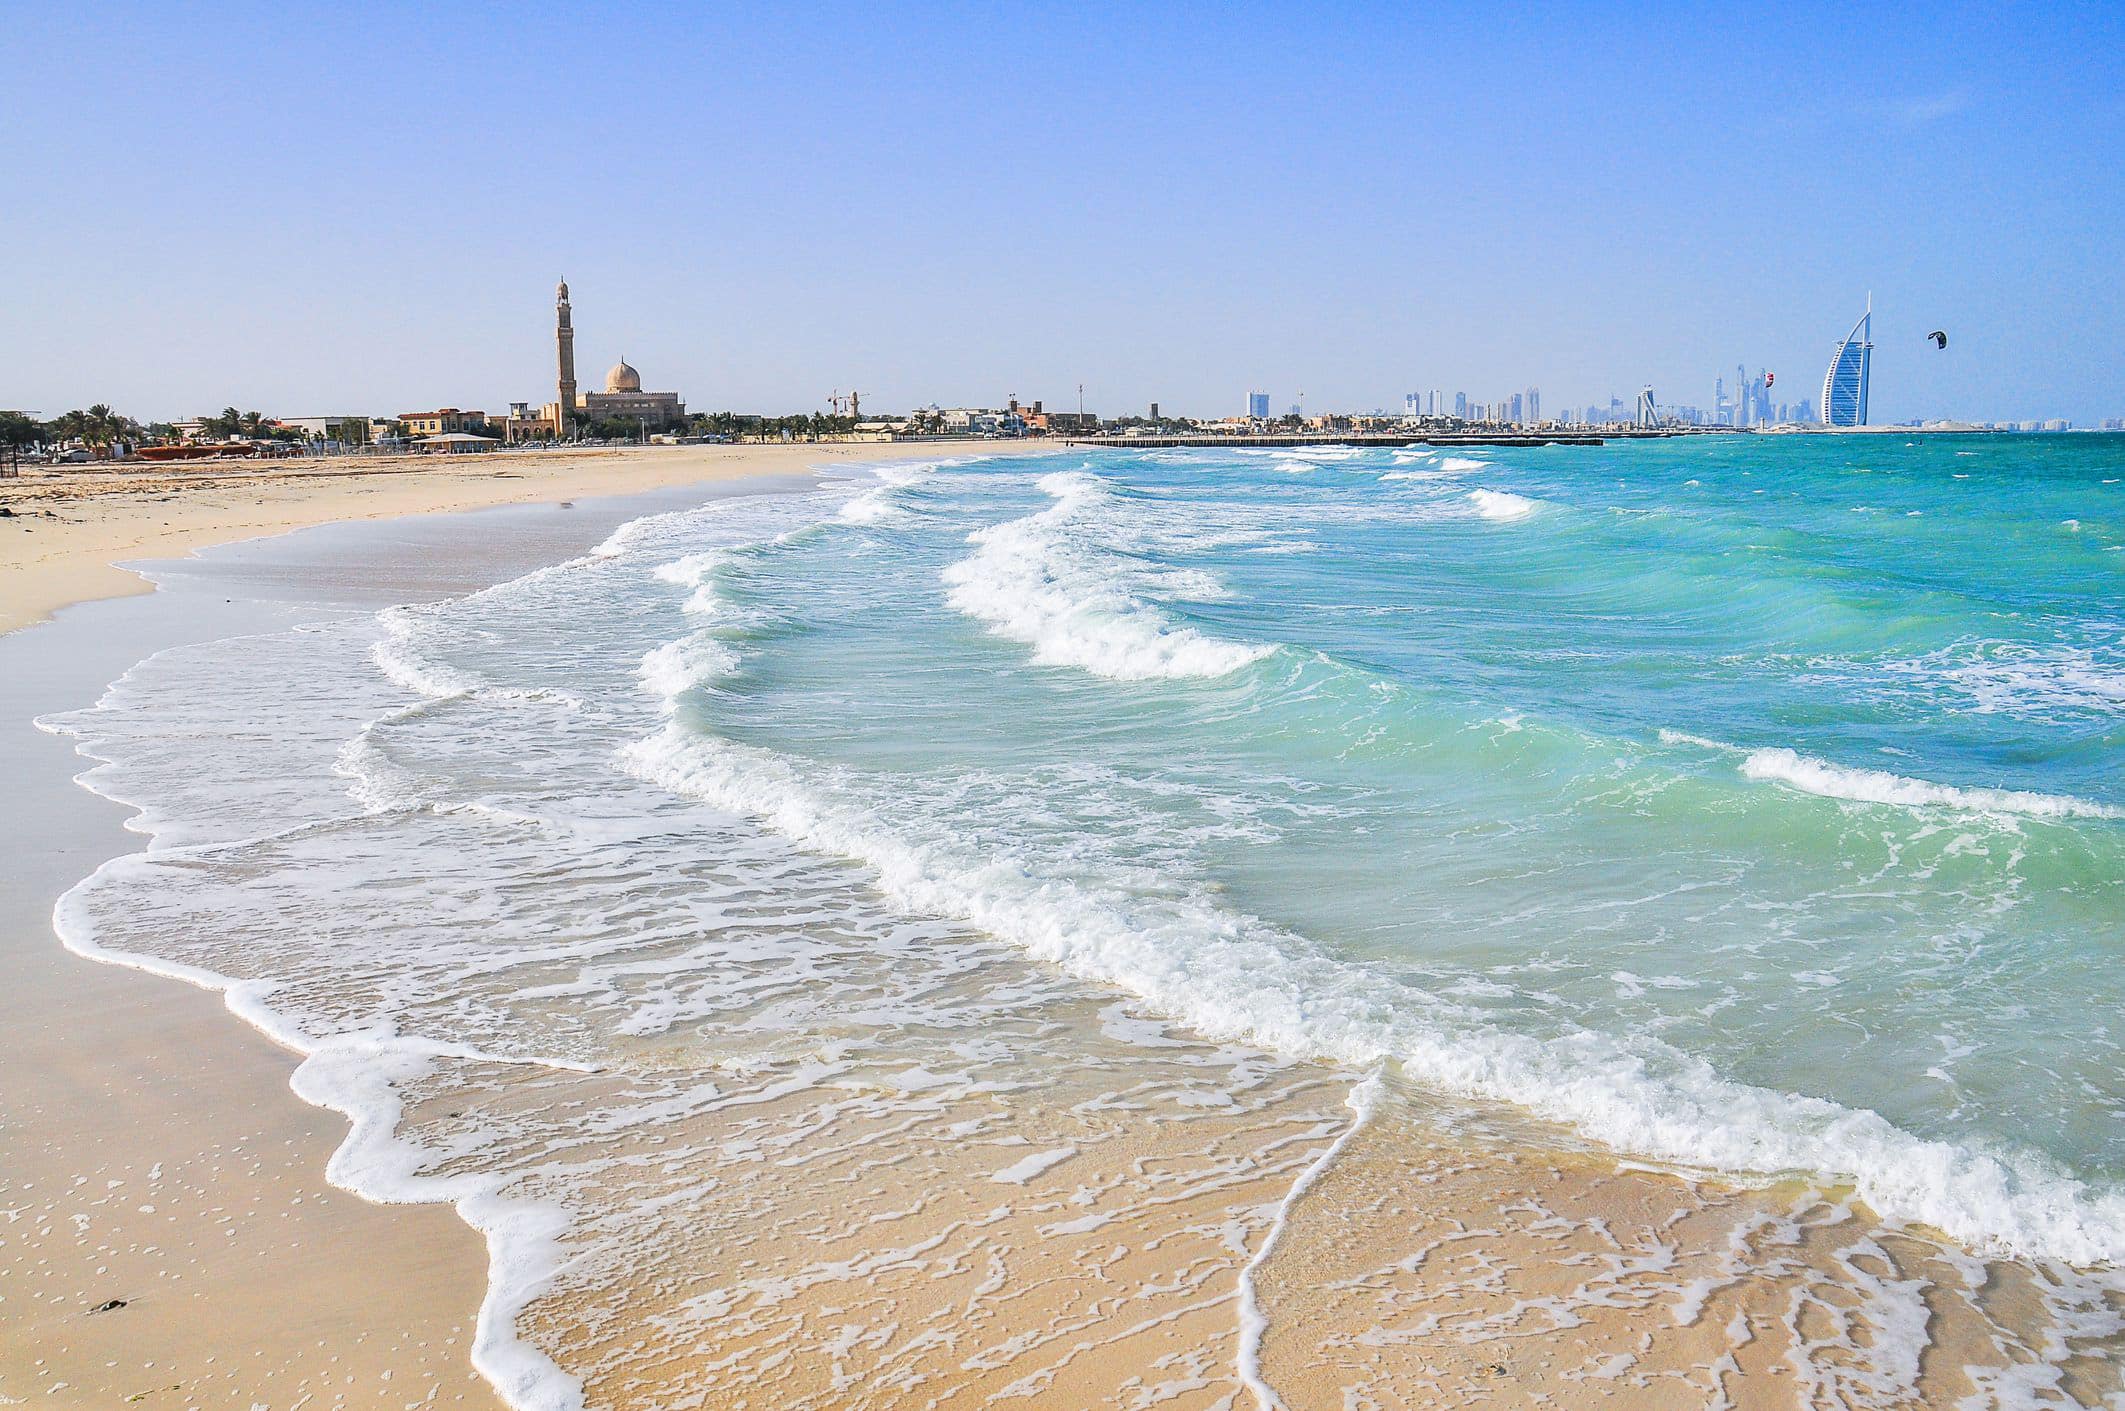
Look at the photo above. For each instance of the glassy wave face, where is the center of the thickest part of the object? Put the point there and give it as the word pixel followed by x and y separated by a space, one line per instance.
pixel 1748 807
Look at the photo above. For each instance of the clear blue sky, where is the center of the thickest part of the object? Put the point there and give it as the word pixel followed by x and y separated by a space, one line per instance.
pixel 364 209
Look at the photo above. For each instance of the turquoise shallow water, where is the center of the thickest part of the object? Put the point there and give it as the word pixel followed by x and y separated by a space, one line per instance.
pixel 1744 804
pixel 1747 806
pixel 1708 795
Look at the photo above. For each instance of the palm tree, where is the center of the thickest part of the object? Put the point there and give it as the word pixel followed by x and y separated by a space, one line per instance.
pixel 71 426
pixel 101 428
pixel 16 432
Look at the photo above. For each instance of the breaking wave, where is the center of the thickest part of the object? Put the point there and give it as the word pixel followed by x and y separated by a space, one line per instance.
pixel 1809 775
pixel 1061 582
pixel 1501 505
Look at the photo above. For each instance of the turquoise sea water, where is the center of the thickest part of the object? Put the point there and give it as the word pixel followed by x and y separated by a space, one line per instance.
pixel 1750 803
pixel 1745 805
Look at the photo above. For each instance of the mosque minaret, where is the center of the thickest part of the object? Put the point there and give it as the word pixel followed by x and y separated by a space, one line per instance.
pixel 564 335
pixel 622 399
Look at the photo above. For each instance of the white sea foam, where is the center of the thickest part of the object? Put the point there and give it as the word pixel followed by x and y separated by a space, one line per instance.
pixel 1054 581
pixel 1449 469
pixel 1501 505
pixel 1189 953
pixel 871 507
pixel 1820 777
pixel 1462 463
pixel 1836 781
pixel 883 503
pixel 2042 681
pixel 1311 453
pixel 697 573
pixel 1362 1099
pixel 1026 1168
pixel 358 1074
pixel 1233 977
pixel 677 667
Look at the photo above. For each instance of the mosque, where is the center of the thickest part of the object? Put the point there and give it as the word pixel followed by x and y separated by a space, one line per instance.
pixel 623 395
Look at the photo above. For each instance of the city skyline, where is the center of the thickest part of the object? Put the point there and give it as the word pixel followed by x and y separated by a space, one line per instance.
pixel 874 223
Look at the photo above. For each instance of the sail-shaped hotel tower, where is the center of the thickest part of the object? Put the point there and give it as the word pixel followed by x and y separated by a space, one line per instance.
pixel 1844 386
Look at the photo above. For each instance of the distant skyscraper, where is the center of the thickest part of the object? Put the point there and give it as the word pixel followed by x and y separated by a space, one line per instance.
pixel 1647 415
pixel 1258 405
pixel 1844 386
pixel 1516 409
pixel 1534 404
pixel 1461 405
pixel 1412 404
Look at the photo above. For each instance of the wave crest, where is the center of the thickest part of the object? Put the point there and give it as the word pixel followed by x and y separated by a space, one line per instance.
pixel 1054 581
pixel 1501 506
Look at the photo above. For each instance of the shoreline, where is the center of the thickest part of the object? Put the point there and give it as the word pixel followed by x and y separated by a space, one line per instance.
pixel 76 530
pixel 1295 1179
pixel 165 1162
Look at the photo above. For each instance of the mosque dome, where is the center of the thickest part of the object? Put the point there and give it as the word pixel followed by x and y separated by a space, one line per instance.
pixel 623 378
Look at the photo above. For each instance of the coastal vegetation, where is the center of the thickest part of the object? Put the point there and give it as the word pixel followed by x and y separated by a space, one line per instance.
pixel 800 426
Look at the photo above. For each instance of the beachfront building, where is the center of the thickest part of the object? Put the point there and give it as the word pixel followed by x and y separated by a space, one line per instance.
pixel 521 423
pixel 622 400
pixel 445 421
pixel 455 443
pixel 348 430
pixel 1844 386
pixel 985 421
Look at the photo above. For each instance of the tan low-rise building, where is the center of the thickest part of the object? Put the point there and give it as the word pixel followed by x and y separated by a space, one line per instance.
pixel 444 422
pixel 523 424
pixel 622 400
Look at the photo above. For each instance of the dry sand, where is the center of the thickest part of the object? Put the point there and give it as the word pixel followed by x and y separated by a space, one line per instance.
pixel 155 1155
pixel 73 525
pixel 151 1152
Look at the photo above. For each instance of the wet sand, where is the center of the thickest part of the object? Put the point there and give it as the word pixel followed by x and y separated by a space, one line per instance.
pixel 155 1156
pixel 72 525
pixel 1074 1206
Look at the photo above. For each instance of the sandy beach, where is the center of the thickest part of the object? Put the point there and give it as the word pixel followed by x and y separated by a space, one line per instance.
pixel 967 1179
pixel 72 527
pixel 158 1160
